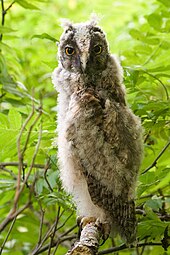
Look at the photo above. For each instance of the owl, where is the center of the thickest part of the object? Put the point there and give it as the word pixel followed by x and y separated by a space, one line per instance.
pixel 99 138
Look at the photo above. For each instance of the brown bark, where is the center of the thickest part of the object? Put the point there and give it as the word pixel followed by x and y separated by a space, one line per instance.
pixel 89 239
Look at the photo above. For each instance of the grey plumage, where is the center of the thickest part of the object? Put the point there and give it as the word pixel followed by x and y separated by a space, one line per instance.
pixel 99 138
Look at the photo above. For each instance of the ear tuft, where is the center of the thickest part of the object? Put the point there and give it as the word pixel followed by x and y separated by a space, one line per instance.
pixel 66 24
pixel 94 19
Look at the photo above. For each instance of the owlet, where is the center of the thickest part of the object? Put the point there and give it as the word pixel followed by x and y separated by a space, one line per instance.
pixel 99 138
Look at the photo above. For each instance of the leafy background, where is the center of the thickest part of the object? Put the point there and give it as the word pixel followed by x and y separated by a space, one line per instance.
pixel 37 217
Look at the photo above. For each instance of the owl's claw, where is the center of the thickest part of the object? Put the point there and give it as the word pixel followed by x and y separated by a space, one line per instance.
pixel 103 227
pixel 105 231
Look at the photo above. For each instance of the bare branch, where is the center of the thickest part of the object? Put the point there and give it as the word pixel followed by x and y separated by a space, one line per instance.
pixel 124 246
pixel 11 216
pixel 47 165
pixel 66 222
pixel 4 164
pixel 41 225
pixel 54 230
pixel 9 6
pixel 20 158
pixel 157 158
pixel 14 212
pixel 33 158
pixel 56 243
pixel 8 234
pixel 37 248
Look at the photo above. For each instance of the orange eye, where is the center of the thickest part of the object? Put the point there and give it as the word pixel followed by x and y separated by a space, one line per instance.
pixel 69 51
pixel 97 49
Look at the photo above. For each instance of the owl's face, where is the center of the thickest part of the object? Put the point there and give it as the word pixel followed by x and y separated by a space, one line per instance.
pixel 83 49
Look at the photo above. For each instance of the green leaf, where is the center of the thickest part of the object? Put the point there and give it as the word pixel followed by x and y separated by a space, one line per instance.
pixel 27 5
pixel 3 120
pixel 164 182
pixel 160 68
pixel 155 21
pixel 14 118
pixel 136 34
pixel 155 203
pixel 6 30
pixel 45 36
pixel 151 228
pixel 165 2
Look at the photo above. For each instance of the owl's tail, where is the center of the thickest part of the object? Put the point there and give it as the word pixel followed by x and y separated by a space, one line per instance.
pixel 125 218
pixel 119 209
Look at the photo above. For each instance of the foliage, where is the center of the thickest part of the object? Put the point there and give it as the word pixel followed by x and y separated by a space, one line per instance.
pixel 36 215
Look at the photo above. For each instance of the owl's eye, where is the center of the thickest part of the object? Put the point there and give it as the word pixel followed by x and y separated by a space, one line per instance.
pixel 69 51
pixel 97 49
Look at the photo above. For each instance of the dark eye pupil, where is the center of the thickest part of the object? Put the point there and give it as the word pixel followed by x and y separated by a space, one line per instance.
pixel 69 50
pixel 98 49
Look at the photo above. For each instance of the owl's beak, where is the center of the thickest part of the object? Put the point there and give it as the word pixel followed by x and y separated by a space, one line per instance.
pixel 83 61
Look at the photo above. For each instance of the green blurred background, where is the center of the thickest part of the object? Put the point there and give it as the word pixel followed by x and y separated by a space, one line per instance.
pixel 139 33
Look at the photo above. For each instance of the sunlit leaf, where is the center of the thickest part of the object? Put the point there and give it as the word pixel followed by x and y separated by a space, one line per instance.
pixel 165 2
pixel 45 36
pixel 155 21
pixel 6 30
pixel 15 119
pixel 26 5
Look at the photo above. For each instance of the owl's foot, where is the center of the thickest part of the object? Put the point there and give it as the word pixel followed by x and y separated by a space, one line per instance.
pixel 104 228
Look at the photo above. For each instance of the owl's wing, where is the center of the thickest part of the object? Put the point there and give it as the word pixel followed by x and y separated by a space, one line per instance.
pixel 95 139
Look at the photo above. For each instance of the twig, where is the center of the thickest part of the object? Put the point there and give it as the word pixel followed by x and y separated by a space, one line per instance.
pixel 41 225
pixel 157 158
pixel 156 78
pixel 153 54
pixel 59 240
pixel 20 156
pixel 62 225
pixel 4 164
pixel 10 216
pixel 3 16
pixel 14 212
pixel 124 246
pixel 56 242
pixel 9 6
pixel 68 231
pixel 9 172
pixel 37 248
pixel 143 248
pixel 4 12
pixel 33 158
pixel 20 159
pixel 8 234
pixel 54 230
pixel 47 165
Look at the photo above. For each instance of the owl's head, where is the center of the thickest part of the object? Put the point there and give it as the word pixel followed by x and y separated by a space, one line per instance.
pixel 83 48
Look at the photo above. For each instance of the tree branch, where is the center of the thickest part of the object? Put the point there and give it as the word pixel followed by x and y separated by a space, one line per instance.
pixel 124 246
pixel 89 239
pixel 4 12
pixel 157 158
pixel 156 78
pixel 8 234
pixel 19 189
pixel 4 164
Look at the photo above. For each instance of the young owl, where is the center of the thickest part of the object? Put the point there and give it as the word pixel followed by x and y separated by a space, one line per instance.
pixel 99 138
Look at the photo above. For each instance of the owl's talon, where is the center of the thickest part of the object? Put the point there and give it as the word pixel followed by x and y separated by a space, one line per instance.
pixel 86 220
pixel 104 228
pixel 105 231
pixel 82 221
